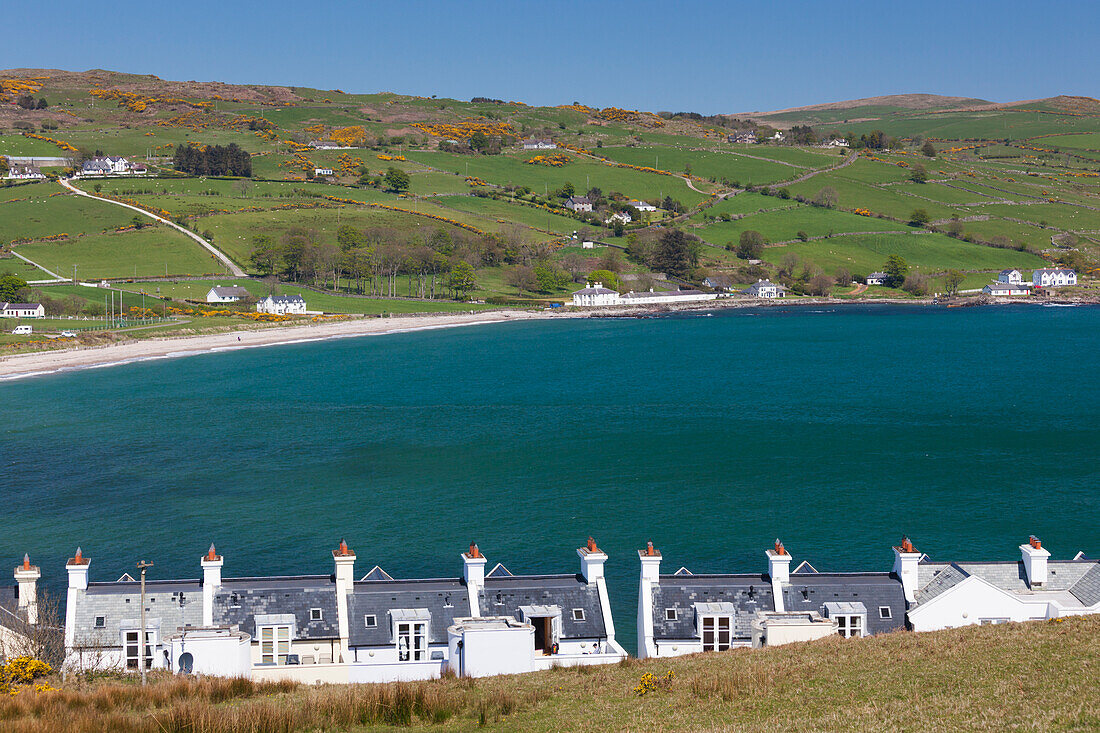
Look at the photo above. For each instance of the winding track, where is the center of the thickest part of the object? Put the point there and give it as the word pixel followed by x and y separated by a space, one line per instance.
pixel 222 257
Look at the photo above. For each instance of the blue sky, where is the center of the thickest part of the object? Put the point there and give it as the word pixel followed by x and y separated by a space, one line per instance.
pixel 676 56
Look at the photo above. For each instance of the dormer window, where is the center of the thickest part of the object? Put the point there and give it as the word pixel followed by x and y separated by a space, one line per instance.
pixel 714 625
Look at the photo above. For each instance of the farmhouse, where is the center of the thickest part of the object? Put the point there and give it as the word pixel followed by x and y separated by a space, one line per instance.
pixel 1053 277
pixel 836 142
pixel 684 613
pixel 109 165
pixel 1010 276
pixel 578 204
pixel 948 594
pixel 22 310
pixel 778 136
pixel 25 172
pixel 742 137
pixel 719 282
pixel 644 207
pixel 533 144
pixel 226 294
pixel 322 172
pixel 334 628
pixel 595 295
pixel 281 304
pixel 1004 290
pixel 619 216
pixel 325 145
pixel 766 289
pixel 876 278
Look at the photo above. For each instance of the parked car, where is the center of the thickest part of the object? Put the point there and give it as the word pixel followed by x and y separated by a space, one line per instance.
pixel 22 330
pixel 68 334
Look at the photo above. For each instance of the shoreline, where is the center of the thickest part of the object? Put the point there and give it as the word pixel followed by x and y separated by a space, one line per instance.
pixel 43 363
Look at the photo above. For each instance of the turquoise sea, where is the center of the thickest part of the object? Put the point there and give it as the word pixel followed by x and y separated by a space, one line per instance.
pixel 837 430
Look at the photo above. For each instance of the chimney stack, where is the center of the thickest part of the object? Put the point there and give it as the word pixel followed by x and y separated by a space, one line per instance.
pixel 27 576
pixel 779 570
pixel 1035 562
pixel 650 559
pixel 345 586
pixel 592 560
pixel 651 563
pixel 211 581
pixel 78 583
pixel 906 560
pixel 473 568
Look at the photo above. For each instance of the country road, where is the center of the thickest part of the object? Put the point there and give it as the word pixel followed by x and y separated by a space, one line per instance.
pixel 237 271
pixel 847 162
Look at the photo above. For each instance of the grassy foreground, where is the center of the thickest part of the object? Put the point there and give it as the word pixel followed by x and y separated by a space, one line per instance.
pixel 1034 676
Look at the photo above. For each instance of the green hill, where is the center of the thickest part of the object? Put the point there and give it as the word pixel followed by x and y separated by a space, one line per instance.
pixel 1033 676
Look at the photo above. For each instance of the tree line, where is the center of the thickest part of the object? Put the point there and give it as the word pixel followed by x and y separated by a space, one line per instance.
pixel 213 160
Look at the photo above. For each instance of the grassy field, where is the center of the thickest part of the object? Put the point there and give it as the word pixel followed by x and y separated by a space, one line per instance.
pixel 493 210
pixel 863 254
pixel 778 226
pixel 28 146
pixel 151 252
pixel 35 212
pixel 1035 676
pixel 707 164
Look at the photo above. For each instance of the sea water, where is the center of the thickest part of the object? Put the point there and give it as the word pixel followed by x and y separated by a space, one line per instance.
pixel 837 430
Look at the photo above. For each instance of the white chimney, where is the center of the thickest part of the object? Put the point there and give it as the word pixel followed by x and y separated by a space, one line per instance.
pixel 211 581
pixel 906 560
pixel 1035 562
pixel 78 583
pixel 592 560
pixel 779 570
pixel 27 576
pixel 345 585
pixel 651 575
pixel 473 572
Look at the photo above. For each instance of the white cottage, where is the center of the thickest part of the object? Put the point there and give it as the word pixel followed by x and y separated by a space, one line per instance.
pixel 1010 276
pixel 281 305
pixel 22 310
pixel 766 289
pixel 226 294
pixel 876 278
pixel 578 204
pixel 1005 290
pixel 1053 277
pixel 594 295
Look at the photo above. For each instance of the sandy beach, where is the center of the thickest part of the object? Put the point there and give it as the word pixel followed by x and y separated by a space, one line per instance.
pixel 48 362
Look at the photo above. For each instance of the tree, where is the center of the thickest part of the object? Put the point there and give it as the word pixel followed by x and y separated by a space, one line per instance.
pixel 349 238
pixel 462 279
pixel 820 284
pixel 750 245
pixel 608 278
pixel 826 197
pixel 918 173
pixel 919 218
pixel 521 277
pixel 915 284
pixel 138 222
pixel 928 149
pixel 4 167
pixel 12 288
pixel 896 268
pixel 396 180
pixel 549 278
pixel 952 281
pixel 843 276
pixel 265 254
pixel 672 254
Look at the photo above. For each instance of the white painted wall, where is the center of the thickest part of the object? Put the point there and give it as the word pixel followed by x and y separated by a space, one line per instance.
pixel 971 601
pixel 219 654
pixel 483 650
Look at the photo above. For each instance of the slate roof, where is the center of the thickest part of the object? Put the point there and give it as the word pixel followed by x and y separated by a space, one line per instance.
pixel 755 288
pixel 239 600
pixel 285 298
pixel 1087 589
pixel 446 599
pixel 1062 575
pixel 229 291
pixel 747 593
pixel 22 306
pixel 503 596
pixel 119 604
pixel 594 291
pixel 811 591
pixel 662 294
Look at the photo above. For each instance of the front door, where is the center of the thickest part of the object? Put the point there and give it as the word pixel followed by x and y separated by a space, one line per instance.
pixel 544 640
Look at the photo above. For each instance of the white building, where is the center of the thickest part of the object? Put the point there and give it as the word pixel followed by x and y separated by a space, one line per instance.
pixel 281 305
pixel 742 137
pixel 836 142
pixel 1053 277
pixel 948 594
pixel 766 289
pixel 19 611
pixel 619 216
pixel 644 207
pixel 595 295
pixel 22 310
pixel 1010 276
pixel 322 171
pixel 666 297
pixel 533 144
pixel 578 204
pixel 326 145
pixel 23 172
pixel 684 612
pixel 876 278
pixel 334 628
pixel 1005 290
pixel 226 294
pixel 109 165
pixel 778 136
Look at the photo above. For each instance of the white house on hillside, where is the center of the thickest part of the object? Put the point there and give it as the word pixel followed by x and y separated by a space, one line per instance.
pixel 22 310
pixel 1053 277
pixel 876 278
pixel 948 594
pixel 595 294
pixel 24 172
pixel 766 289
pixel 578 204
pixel 533 144
pixel 338 629
pixel 1005 290
pixel 226 294
pixel 281 305
pixel 644 207
pixel 1010 276
pixel 619 216
pixel 109 165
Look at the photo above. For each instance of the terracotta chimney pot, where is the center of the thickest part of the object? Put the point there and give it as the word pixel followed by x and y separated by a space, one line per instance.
pixel 26 561
pixel 474 551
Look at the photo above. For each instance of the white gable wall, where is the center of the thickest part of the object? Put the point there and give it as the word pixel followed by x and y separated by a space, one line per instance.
pixel 974 600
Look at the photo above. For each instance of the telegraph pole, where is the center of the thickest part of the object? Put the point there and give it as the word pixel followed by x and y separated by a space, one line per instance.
pixel 143 635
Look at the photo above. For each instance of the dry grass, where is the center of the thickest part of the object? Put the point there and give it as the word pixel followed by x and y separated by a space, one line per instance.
pixel 1039 676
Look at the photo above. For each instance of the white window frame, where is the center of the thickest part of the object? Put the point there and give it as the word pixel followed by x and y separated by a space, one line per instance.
pixel 992 621
pixel 671 614
pixel 717 627
pixel 272 649
pixel 885 612
pixel 97 622
pixel 370 621
pixel 851 625
pixel 316 614
pixel 578 614
pixel 130 642
pixel 411 639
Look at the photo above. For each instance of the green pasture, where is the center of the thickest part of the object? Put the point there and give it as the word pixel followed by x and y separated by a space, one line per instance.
pixel 491 210
pixel 862 254
pixel 1083 141
pixel 25 146
pixel 942 194
pixel 1062 216
pixel 582 173
pixel 44 215
pixel 806 157
pixel 853 194
pixel 150 252
pixel 746 203
pixel 23 269
pixel 706 164
pixel 778 226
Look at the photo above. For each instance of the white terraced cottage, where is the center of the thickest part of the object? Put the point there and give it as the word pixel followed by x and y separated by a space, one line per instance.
pixel 281 305
pixel 334 628
pixel 1053 277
